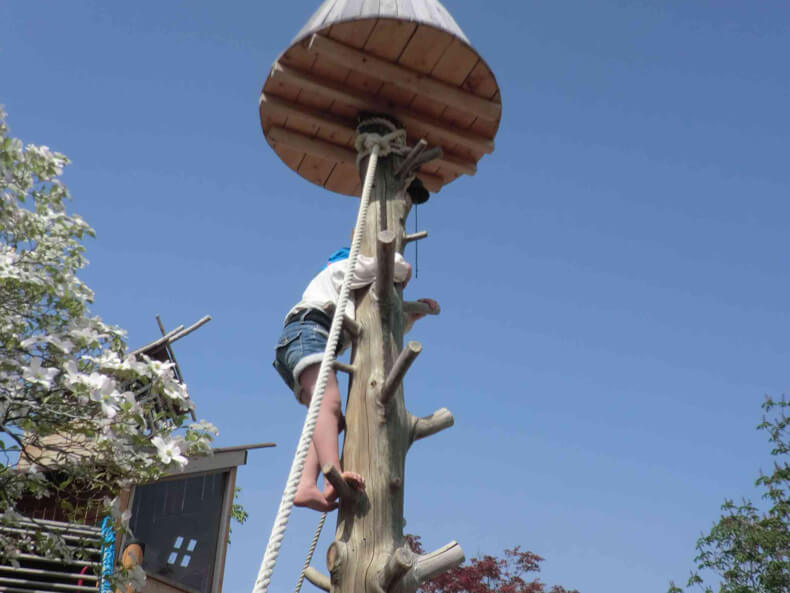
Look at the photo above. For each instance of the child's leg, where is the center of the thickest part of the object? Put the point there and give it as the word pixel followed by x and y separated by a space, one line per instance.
pixel 307 493
pixel 326 429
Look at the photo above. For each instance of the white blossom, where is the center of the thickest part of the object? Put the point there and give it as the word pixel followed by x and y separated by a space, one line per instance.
pixel 63 344
pixel 56 161
pixel 169 451
pixel 105 392
pixel 35 373
pixel 204 426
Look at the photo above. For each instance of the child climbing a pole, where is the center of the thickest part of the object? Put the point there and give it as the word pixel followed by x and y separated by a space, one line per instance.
pixel 298 357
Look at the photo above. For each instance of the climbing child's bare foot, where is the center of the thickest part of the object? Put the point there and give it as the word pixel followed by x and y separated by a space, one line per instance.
pixel 313 498
pixel 353 479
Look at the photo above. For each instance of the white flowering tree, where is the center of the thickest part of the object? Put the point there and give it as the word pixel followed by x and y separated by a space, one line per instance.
pixel 69 419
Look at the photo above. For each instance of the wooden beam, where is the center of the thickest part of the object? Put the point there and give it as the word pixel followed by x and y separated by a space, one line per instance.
pixel 457 164
pixel 342 128
pixel 198 324
pixel 166 338
pixel 250 447
pixel 361 101
pixel 415 82
pixel 48 574
pixel 326 121
pixel 314 146
pixel 334 153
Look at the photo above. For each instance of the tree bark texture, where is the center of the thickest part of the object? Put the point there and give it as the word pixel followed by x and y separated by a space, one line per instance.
pixel 369 554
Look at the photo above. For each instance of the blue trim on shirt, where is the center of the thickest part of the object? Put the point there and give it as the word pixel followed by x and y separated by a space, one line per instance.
pixel 338 255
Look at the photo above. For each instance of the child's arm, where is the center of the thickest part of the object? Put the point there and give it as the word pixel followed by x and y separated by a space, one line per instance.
pixel 402 272
pixel 365 272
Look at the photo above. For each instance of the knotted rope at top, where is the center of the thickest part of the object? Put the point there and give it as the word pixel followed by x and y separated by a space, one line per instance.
pixel 391 142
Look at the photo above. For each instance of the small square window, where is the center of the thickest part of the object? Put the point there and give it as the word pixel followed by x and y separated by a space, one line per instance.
pixel 191 545
pixel 185 560
pixel 179 541
pixel 172 558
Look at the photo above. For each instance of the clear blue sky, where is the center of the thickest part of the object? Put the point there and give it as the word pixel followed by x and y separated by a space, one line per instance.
pixel 614 280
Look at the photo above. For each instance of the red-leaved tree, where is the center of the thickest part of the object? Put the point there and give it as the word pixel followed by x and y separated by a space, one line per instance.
pixel 490 574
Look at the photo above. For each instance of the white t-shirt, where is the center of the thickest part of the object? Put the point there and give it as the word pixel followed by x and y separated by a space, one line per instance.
pixel 324 290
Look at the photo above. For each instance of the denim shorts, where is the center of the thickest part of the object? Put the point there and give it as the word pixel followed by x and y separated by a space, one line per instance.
pixel 301 344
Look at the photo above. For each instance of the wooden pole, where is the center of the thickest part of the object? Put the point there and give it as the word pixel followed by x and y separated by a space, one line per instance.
pixel 369 554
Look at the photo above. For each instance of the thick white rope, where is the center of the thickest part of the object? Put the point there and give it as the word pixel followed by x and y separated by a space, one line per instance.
pixel 286 503
pixel 310 552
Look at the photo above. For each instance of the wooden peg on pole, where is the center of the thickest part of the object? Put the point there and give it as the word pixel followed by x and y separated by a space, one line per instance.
pixel 385 262
pixel 435 563
pixel 351 326
pixel 317 578
pixel 343 367
pixel 399 563
pixel 345 492
pixel 416 151
pixel 420 308
pixel 425 427
pixel 398 371
pixel 415 236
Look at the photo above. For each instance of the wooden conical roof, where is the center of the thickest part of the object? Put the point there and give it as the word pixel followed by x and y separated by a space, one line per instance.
pixel 429 12
pixel 407 58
